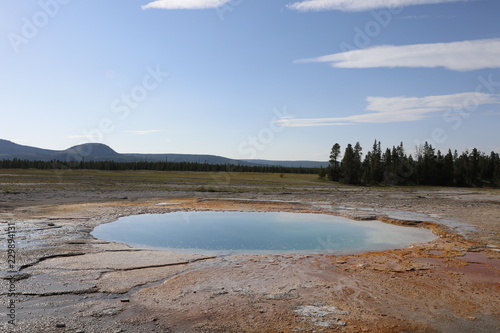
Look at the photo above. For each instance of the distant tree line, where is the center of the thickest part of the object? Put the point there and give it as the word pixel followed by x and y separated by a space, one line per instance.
pixel 149 165
pixel 428 167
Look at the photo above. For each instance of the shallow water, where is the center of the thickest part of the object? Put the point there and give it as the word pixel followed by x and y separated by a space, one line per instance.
pixel 258 232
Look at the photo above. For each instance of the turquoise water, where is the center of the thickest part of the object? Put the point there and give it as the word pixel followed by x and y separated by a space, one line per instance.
pixel 258 232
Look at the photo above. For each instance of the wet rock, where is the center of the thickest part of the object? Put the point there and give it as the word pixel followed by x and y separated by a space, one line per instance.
pixel 47 283
pixel 281 296
pixel 323 316
pixel 222 292
pixel 16 277
pixel 108 312
pixel 241 290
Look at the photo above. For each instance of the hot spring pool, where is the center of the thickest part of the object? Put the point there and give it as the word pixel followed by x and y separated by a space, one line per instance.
pixel 258 232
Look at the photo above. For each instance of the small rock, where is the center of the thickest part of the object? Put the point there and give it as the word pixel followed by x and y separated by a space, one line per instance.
pixel 341 323
pixel 80 331
pixel 60 325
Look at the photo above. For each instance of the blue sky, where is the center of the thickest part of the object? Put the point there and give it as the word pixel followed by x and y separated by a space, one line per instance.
pixel 271 79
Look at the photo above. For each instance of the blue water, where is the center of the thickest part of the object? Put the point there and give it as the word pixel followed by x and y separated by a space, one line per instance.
pixel 258 232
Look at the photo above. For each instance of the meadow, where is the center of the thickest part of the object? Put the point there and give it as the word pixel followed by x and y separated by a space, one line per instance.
pixel 15 180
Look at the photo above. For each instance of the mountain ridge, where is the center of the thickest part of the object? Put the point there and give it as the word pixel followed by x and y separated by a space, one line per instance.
pixel 102 152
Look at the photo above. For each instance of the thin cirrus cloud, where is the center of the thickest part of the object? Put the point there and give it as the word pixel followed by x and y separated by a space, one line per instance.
pixel 457 56
pixel 186 4
pixel 360 5
pixel 401 109
pixel 143 132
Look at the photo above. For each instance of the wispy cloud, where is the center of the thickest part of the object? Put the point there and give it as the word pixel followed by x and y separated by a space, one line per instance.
pixel 400 109
pixel 359 5
pixel 458 56
pixel 186 4
pixel 143 132
pixel 78 137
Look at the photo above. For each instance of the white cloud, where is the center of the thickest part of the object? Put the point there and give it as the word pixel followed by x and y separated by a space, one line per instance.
pixel 186 4
pixel 144 132
pixel 458 56
pixel 78 137
pixel 401 109
pixel 359 5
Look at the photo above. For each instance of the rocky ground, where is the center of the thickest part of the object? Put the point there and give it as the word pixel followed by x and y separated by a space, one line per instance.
pixel 67 281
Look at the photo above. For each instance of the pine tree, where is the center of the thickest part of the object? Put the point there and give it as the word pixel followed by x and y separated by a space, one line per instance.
pixel 429 169
pixel 473 174
pixel 350 166
pixel 376 171
pixel 460 169
pixel 496 169
pixel 357 162
pixel 334 169
pixel 366 171
pixel 447 171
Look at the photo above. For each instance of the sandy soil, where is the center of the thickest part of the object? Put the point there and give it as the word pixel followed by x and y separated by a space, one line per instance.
pixel 67 281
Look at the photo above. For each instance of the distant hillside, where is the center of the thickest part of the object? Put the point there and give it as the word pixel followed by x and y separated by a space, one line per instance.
pixel 290 164
pixel 209 159
pixel 92 152
pixel 101 152
pixel 10 150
